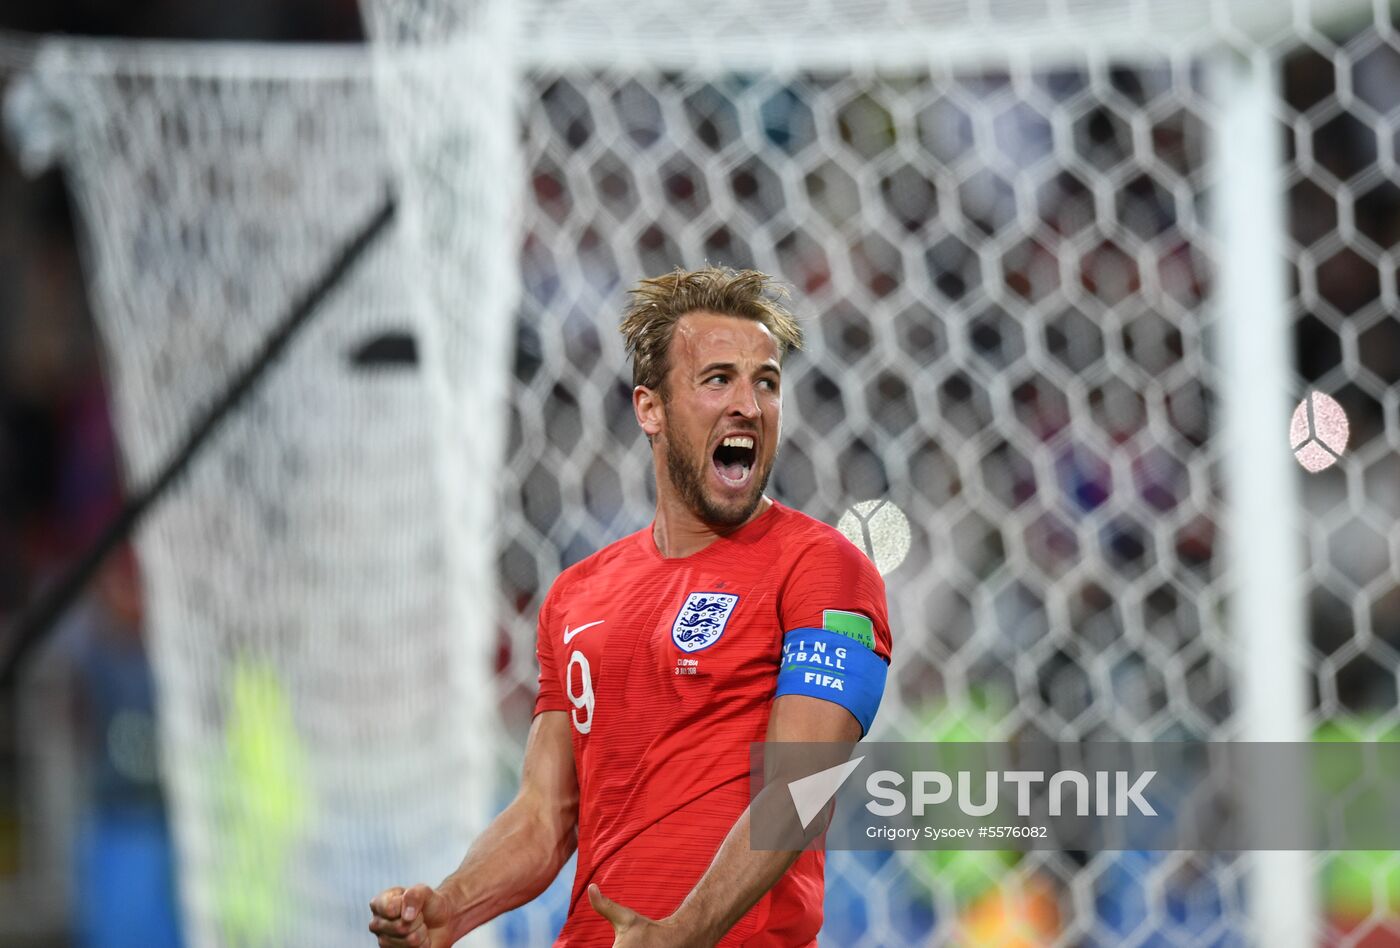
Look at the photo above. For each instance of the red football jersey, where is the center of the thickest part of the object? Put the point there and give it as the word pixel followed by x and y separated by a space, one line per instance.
pixel 667 669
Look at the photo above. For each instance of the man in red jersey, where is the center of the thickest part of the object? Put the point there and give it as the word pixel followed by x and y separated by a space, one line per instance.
pixel 731 619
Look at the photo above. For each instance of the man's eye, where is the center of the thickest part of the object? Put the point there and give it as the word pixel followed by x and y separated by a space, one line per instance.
pixel 770 384
pixel 720 378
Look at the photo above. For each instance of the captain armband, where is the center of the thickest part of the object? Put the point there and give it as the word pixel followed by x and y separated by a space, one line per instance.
pixel 836 663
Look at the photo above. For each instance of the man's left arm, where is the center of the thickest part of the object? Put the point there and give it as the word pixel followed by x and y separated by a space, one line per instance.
pixel 739 875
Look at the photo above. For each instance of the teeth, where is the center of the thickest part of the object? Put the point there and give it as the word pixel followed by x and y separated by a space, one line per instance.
pixel 738 442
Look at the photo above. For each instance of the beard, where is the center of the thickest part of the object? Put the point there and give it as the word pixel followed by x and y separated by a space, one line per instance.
pixel 687 476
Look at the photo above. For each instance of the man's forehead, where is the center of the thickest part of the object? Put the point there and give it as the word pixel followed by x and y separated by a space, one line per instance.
pixel 715 337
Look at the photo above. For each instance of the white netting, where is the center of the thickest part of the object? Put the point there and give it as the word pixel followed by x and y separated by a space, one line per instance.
pixel 1009 261
pixel 1007 342
pixel 322 651
pixel 999 217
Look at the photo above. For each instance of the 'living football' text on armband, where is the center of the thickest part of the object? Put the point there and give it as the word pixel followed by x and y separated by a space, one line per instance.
pixel 837 663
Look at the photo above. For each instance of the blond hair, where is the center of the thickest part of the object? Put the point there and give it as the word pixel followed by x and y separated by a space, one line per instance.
pixel 658 303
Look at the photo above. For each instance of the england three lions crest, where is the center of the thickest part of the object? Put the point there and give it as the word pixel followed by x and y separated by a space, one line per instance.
pixel 701 620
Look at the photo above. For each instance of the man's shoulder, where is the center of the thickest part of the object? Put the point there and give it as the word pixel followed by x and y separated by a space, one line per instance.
pixel 801 535
pixel 809 549
pixel 618 556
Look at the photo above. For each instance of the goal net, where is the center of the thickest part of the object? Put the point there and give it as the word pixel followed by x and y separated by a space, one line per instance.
pixel 1007 222
pixel 318 586
pixel 1068 267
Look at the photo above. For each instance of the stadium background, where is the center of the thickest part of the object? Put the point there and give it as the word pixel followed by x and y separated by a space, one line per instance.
pixel 911 372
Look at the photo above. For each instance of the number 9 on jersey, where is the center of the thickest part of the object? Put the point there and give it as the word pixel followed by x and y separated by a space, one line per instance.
pixel 582 700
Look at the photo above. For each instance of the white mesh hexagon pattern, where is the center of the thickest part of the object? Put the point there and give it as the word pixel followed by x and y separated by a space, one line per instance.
pixel 1008 271
pixel 309 579
pixel 1004 276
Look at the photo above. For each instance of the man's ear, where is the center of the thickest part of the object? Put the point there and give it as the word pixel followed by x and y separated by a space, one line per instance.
pixel 650 410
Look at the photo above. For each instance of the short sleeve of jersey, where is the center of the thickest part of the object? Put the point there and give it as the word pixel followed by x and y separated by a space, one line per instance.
pixel 551 696
pixel 834 574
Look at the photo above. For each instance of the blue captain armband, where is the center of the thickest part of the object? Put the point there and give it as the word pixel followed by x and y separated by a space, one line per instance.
pixel 822 663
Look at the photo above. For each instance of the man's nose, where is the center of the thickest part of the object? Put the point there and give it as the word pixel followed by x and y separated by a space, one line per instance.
pixel 745 402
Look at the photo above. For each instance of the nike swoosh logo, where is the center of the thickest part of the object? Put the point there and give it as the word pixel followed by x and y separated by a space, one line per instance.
pixel 569 635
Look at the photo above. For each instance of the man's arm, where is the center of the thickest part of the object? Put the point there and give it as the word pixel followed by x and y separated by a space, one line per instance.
pixel 738 876
pixel 514 860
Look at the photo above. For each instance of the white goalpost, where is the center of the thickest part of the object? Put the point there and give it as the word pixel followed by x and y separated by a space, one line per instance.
pixel 1046 253
pixel 1271 668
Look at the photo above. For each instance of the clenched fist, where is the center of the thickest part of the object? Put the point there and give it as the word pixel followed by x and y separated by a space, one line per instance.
pixel 418 917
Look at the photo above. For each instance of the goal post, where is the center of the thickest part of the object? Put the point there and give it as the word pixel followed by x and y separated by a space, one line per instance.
pixel 1261 480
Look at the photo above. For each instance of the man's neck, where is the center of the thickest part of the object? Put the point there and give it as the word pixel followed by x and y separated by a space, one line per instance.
pixel 678 532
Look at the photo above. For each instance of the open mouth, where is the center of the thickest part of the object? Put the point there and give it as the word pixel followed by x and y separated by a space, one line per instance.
pixel 734 460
